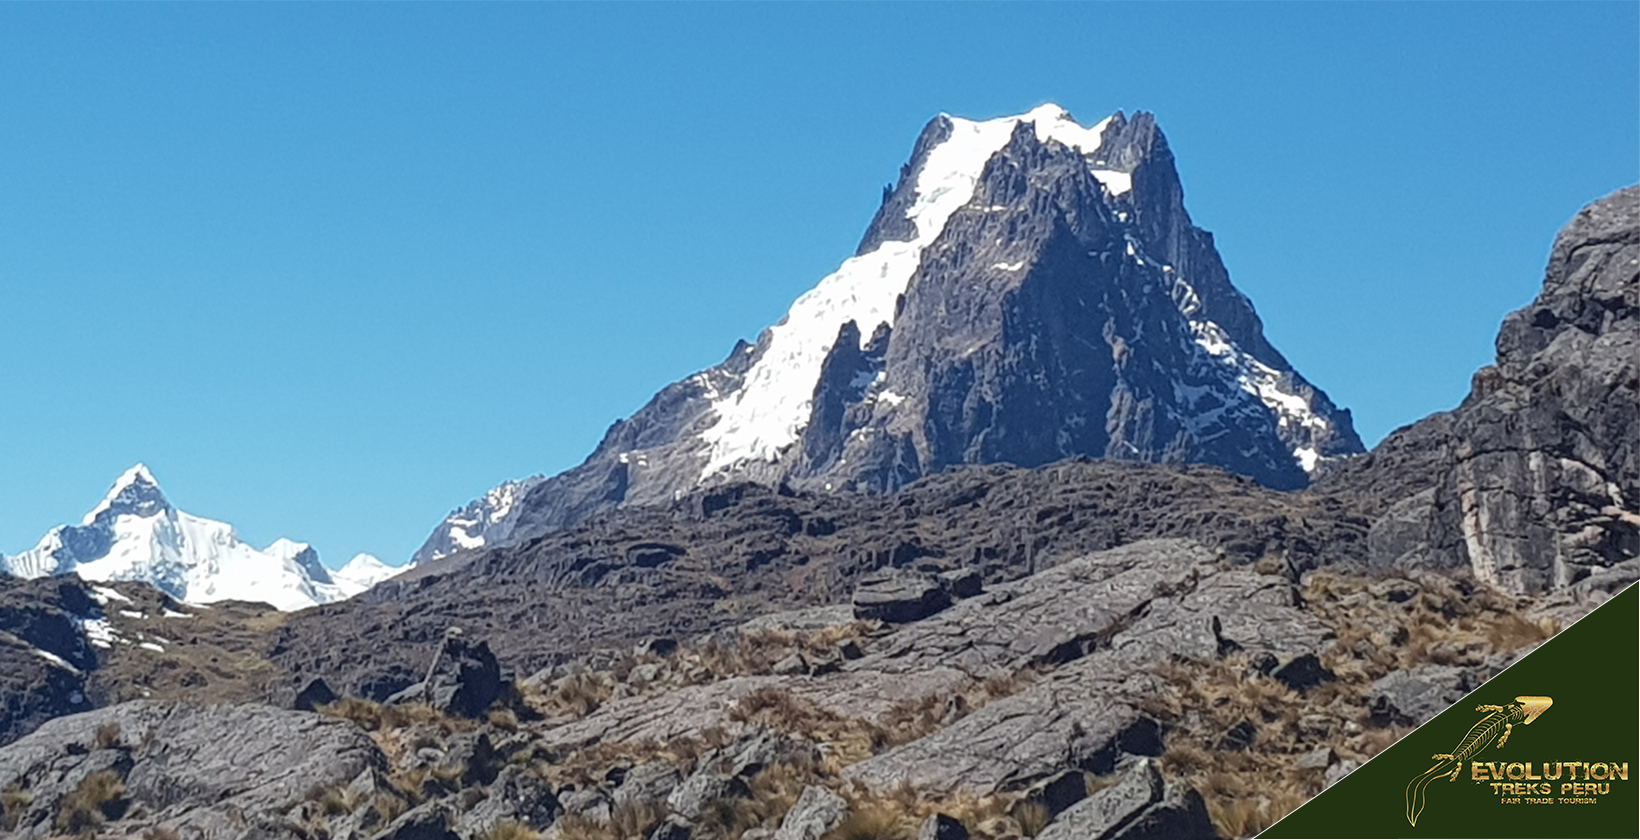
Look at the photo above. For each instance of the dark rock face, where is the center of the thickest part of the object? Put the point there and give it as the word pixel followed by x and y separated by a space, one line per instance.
pixel 1053 319
pixel 1053 316
pixel 45 657
pixel 1533 483
pixel 464 678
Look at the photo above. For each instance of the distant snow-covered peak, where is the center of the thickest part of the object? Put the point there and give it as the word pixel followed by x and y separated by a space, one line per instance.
pixel 134 492
pixel 366 570
pixel 135 533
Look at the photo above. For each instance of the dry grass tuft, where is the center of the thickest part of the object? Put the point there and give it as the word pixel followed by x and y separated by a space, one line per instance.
pixel 13 802
pixel 509 830
pixel 108 735
pixel 98 798
pixel 880 821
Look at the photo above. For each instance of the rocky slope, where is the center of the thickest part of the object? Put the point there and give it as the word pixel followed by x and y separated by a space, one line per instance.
pixel 721 556
pixel 1533 483
pixel 135 533
pixel 1030 290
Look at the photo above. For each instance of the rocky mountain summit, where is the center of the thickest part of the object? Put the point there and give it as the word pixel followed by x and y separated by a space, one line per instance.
pixel 1030 290
pixel 1533 483
pixel 135 533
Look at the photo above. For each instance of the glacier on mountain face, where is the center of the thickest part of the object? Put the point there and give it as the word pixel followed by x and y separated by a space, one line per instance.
pixel 953 240
pixel 768 412
pixel 764 416
pixel 135 533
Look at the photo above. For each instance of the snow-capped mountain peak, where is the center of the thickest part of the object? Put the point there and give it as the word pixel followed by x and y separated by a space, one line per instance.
pixel 135 533
pixel 134 492
pixel 1030 289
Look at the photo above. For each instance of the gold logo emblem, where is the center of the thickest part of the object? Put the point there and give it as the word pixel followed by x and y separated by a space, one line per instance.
pixel 1498 723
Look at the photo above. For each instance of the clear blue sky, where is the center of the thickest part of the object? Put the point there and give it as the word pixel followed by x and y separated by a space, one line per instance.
pixel 333 270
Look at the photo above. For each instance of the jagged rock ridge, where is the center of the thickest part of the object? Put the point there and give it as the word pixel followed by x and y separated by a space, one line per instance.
pixel 1030 290
pixel 1533 483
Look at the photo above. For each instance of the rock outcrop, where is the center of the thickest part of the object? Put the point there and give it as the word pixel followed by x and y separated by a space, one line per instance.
pixel 202 771
pixel 1533 483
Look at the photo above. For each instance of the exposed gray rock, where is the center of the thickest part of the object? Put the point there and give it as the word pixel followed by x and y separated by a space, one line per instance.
pixel 1138 807
pixel 1415 695
pixel 1110 810
pixel 1340 769
pixel 1319 758
pixel 1145 601
pixel 1075 717
pixel 179 770
pixel 652 781
pixel 1179 815
pixel 691 798
pixel 816 812
pixel 1533 483
pixel 897 596
pixel 791 665
pixel 514 796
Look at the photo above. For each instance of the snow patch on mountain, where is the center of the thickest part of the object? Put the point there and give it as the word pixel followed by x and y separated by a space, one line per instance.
pixel 135 533
pixel 1296 418
pixel 768 411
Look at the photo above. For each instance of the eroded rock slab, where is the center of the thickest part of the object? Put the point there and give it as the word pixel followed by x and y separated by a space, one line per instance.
pixel 190 768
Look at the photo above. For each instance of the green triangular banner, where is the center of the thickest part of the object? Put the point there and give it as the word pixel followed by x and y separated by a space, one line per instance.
pixel 1573 772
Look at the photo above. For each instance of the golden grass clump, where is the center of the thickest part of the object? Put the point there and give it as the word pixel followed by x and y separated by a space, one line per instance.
pixel 98 798
pixel 509 830
pixel 13 802
pixel 108 735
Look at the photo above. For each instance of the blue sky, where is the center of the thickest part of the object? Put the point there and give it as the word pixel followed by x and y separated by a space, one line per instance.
pixel 333 270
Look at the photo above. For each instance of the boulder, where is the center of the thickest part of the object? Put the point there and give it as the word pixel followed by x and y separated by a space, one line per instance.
pixel 1179 815
pixel 816 812
pixel 1107 811
pixel 315 694
pixel 1302 673
pixel 691 798
pixel 1140 806
pixel 898 596
pixel 464 678
pixel 514 796
pixel 1058 792
pixel 1415 695
pixel 427 821
pixel 652 781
